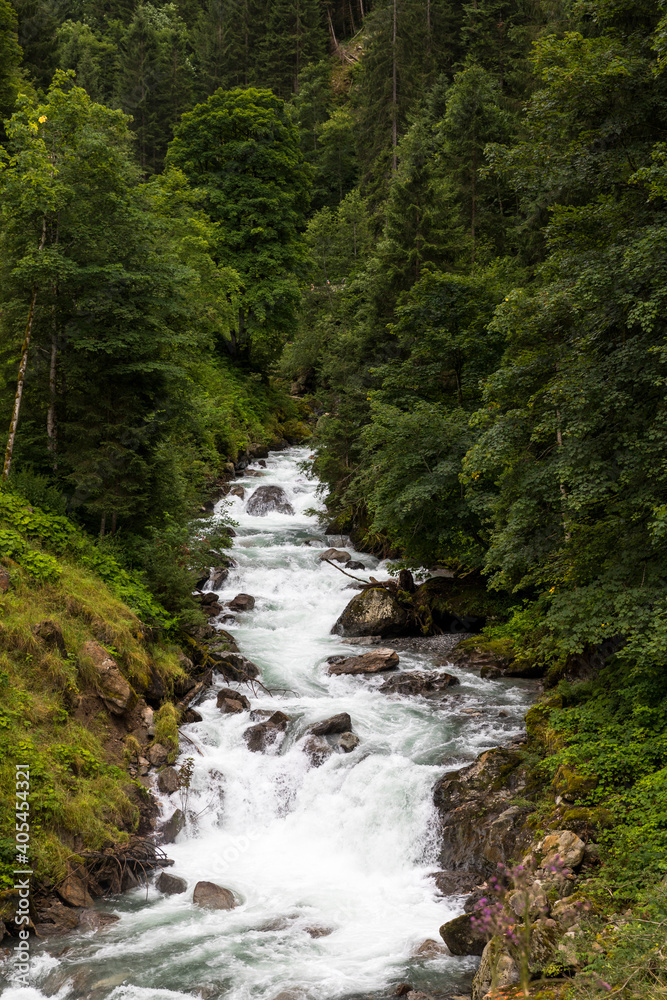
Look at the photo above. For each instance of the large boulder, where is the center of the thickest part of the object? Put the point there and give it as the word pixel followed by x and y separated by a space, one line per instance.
pixel 368 663
pixel 427 684
pixel 233 666
pixel 479 826
pixel 168 781
pixel 230 701
pixel 265 735
pixel 213 897
pixel 110 684
pixel 462 937
pixel 173 827
pixel 73 890
pixel 340 723
pixel 266 499
pixel 335 555
pixel 242 602
pixel 373 611
pixel 171 885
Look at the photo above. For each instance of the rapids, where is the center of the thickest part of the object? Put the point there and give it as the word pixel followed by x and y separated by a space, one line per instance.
pixel 345 848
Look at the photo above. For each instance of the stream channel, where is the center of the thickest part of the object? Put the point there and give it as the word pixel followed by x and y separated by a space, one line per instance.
pixel 331 863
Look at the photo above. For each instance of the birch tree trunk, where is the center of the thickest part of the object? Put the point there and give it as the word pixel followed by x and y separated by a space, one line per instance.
pixel 23 364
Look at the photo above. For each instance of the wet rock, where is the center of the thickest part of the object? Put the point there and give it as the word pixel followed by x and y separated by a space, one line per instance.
pixel 191 715
pixel 167 780
pixel 51 635
pixel 5 584
pixel 348 742
pixel 56 918
pixel 213 897
pixel 171 885
pixel 157 754
pixel 93 920
pixel 368 663
pixel 335 555
pixel 316 749
pixel 340 723
pixel 262 463
pixel 212 610
pixel 110 684
pixel 253 473
pixel 266 499
pixel 230 701
pixel 242 602
pixel 426 684
pixel 355 564
pixel 73 890
pixel 208 598
pixel 479 828
pixel 234 666
pixel 461 937
pixel 430 949
pixel 490 673
pixel 373 611
pixel 265 735
pixel 454 883
pixel 173 827
pixel 237 491
pixel 495 959
pixel 218 576
pixel 316 931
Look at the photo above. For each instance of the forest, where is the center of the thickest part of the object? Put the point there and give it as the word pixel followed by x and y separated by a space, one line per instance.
pixel 427 237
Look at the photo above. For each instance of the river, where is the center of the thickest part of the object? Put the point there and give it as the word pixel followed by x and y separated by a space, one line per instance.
pixel 330 863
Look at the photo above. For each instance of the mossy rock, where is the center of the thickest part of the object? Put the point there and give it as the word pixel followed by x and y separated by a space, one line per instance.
pixel 537 722
pixel 571 784
pixel 296 430
pixel 585 820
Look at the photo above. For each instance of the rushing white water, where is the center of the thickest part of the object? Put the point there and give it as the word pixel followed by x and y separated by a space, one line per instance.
pixel 344 848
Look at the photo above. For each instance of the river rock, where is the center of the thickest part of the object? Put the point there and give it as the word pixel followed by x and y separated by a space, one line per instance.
pixel 213 897
pixel 335 555
pixel 355 564
pixel 171 885
pixel 461 937
pixel 73 890
pixel 242 602
pixel 190 715
pixel 157 754
pixel 237 491
pixel 265 734
pixel 173 827
pixel 416 682
pixel 218 576
pixel 479 829
pixel 234 666
pixel 93 920
pixel 454 883
pixel 348 742
pixel 316 749
pixel 336 724
pixel 111 686
pixel 430 949
pixel 373 611
pixel 266 499
pixel 368 663
pixel 167 780
pixel 208 598
pixel 230 701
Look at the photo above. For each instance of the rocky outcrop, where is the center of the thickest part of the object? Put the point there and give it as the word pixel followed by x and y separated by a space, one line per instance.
pixel 265 735
pixel 368 663
pixel 213 897
pixel 268 499
pixel 430 684
pixel 109 683
pixel 373 611
pixel 480 828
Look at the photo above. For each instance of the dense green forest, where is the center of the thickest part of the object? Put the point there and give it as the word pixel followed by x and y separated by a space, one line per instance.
pixel 439 225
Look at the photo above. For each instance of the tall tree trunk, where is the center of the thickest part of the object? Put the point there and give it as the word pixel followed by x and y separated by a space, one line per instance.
pixel 394 95
pixel 51 419
pixel 23 364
